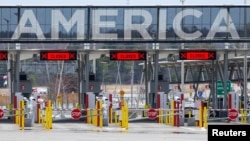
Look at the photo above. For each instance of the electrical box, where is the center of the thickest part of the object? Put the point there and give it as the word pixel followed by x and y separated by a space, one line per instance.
pixel 94 86
pixel 25 86
pixel 163 86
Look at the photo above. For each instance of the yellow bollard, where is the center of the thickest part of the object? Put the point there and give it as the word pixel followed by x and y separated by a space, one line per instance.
pixel 167 117
pixel 122 114
pixel 205 117
pixel 200 116
pixel 110 115
pixel 245 116
pixel 160 116
pixel 172 112
pixel 242 116
pixel 22 114
pixel 17 117
pixel 50 114
pixel 88 114
pixel 100 114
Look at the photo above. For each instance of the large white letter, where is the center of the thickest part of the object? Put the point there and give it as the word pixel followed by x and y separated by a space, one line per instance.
pixel 229 28
pixel 177 24
pixel 98 24
pixel 58 17
pixel 141 28
pixel 162 24
pixel 35 28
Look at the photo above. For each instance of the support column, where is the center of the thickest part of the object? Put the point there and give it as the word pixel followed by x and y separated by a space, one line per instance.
pixel 17 72
pixel 80 80
pixel 225 79
pixel 214 96
pixel 146 81
pixel 156 59
pixel 86 72
pixel 245 78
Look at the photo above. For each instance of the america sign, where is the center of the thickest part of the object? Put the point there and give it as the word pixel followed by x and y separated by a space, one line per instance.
pixel 158 24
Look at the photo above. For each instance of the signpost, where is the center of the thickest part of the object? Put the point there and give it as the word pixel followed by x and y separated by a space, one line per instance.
pixel 1 113
pixel 220 88
pixel 199 94
pixel 152 113
pixel 232 114
pixel 76 114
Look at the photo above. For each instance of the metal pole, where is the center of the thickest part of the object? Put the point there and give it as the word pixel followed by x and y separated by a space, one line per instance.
pixel 245 62
pixel 182 62
pixel 146 82
pixel 213 86
pixel 132 82
pixel 156 73
pixel 225 79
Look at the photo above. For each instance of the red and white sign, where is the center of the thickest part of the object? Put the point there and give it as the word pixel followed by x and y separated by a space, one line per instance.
pixel 1 113
pixel 91 87
pixel 76 114
pixel 232 114
pixel 22 87
pixel 152 113
pixel 159 87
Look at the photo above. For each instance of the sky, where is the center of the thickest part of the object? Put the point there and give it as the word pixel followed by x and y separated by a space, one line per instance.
pixel 119 2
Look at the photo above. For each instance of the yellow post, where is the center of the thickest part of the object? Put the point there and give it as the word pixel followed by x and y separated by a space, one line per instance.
pixel 200 116
pixel 160 116
pixel 88 115
pixel 22 114
pixel 245 116
pixel 172 112
pixel 110 115
pixel 46 117
pixel 100 115
pixel 242 116
pixel 205 117
pixel 50 114
pixel 17 117
pixel 122 115
pixel 167 117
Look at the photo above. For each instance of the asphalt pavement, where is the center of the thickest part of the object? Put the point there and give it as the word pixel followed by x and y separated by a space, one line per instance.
pixel 79 131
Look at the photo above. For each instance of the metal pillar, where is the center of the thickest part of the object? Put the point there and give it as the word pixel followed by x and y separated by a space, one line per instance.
pixel 87 72
pixel 146 82
pixel 17 73
pixel 214 97
pixel 245 58
pixel 245 79
pixel 10 78
pixel 225 79
pixel 156 72
pixel 80 79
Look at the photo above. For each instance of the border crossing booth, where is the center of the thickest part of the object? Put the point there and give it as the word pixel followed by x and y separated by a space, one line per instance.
pixel 25 93
pixel 158 100
pixel 90 96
